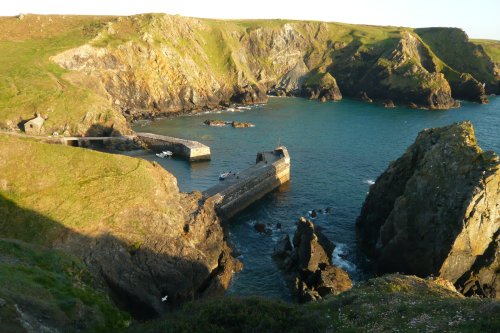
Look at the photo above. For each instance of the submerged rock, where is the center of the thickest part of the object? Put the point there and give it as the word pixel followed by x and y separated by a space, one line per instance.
pixel 436 211
pixel 307 264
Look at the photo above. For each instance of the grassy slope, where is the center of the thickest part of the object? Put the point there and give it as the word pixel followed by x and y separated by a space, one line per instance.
pixel 450 46
pixel 388 304
pixel 31 83
pixel 120 195
pixel 492 48
pixel 47 283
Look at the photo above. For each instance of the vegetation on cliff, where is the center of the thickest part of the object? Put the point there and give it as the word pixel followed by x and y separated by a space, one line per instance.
pixel 80 71
pixel 393 303
pixel 123 217
pixel 43 289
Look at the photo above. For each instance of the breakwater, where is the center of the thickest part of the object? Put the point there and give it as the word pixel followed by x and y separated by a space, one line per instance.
pixel 240 190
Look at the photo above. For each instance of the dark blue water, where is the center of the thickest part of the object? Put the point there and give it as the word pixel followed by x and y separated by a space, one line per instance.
pixel 337 150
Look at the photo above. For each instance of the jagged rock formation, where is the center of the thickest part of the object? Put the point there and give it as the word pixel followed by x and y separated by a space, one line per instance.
pixel 436 211
pixel 124 218
pixel 308 264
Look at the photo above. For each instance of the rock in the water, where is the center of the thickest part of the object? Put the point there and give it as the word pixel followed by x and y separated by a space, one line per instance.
pixel 238 124
pixel 364 97
pixel 260 227
pixel 388 103
pixel 215 123
pixel 308 265
pixel 436 211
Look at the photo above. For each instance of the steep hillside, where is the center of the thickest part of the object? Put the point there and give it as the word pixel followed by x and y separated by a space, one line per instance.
pixel 77 71
pixel 123 217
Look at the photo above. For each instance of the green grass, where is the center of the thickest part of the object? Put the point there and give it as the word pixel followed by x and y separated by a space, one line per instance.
pixel 453 47
pixel 492 48
pixel 393 303
pixel 31 83
pixel 80 190
pixel 47 281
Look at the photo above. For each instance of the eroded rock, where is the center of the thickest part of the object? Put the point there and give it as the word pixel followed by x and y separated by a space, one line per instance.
pixel 307 264
pixel 436 211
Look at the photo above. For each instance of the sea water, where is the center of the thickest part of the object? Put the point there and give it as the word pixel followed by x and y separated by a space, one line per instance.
pixel 337 151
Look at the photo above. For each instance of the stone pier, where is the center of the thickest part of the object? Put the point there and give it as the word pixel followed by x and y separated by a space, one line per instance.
pixel 190 150
pixel 240 190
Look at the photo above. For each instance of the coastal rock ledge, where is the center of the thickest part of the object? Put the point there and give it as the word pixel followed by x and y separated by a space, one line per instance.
pixel 436 211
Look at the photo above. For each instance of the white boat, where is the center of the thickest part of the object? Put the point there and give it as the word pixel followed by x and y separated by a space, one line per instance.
pixel 163 154
pixel 224 175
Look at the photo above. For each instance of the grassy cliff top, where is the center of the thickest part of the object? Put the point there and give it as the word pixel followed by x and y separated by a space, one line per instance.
pixel 492 48
pixel 47 190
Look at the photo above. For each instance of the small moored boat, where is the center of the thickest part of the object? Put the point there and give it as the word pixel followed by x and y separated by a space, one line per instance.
pixel 163 154
pixel 224 175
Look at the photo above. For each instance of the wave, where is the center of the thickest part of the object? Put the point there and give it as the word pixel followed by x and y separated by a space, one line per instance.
pixel 369 181
pixel 338 259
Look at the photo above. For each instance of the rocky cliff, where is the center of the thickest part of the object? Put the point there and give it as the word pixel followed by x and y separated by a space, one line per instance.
pixel 156 64
pixel 436 211
pixel 150 246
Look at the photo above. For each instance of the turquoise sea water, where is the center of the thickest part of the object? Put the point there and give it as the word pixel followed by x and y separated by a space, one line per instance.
pixel 337 150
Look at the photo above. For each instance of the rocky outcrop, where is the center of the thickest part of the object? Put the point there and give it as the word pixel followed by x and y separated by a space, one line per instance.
pixel 453 47
pixel 403 70
pixel 308 264
pixel 436 211
pixel 322 86
pixel 467 87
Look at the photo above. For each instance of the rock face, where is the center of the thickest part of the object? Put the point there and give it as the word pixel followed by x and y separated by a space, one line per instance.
pixel 155 73
pixel 308 264
pixel 436 211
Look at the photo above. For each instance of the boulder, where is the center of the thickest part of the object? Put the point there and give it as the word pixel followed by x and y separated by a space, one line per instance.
pixel 307 264
pixel 436 211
